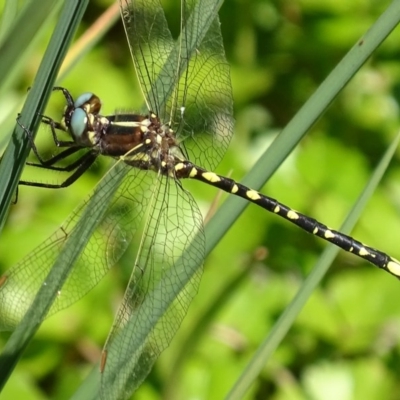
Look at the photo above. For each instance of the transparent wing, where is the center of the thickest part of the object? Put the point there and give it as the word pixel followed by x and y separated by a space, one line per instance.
pixel 164 280
pixel 187 83
pixel 205 123
pixel 104 248
pixel 155 225
pixel 150 43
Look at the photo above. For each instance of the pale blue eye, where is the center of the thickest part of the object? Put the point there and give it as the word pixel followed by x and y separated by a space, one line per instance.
pixel 78 123
pixel 82 99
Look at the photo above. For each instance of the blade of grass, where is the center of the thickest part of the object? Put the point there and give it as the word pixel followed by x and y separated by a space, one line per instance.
pixel 21 30
pixel 14 157
pixel 16 39
pixel 286 320
pixel 13 162
pixel 271 159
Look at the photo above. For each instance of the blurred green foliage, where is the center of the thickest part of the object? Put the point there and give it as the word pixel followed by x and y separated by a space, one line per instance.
pixel 345 344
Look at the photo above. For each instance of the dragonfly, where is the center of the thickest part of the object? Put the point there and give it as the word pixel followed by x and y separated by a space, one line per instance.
pixel 141 205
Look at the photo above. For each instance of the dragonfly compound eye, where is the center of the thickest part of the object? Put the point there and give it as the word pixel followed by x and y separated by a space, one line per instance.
pixel 78 124
pixel 83 99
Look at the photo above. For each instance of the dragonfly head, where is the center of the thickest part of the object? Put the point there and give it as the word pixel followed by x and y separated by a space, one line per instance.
pixel 80 115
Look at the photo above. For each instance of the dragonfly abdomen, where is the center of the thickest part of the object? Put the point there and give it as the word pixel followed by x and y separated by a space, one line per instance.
pixel 186 169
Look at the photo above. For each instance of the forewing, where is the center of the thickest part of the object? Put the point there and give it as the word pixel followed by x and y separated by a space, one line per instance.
pixel 202 107
pixel 150 43
pixel 187 82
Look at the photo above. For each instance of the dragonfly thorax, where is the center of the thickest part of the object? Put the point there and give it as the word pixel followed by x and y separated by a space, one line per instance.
pixel 156 146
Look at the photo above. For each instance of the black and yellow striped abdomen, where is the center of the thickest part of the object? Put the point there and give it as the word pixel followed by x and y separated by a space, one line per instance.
pixel 188 170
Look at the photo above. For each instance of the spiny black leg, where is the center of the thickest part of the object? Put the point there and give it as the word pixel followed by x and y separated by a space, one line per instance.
pixel 82 165
pixel 56 141
pixel 27 132
pixel 54 126
pixel 66 93
pixel 49 164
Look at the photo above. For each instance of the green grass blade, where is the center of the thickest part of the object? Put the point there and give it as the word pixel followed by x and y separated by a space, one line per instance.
pixel 13 162
pixel 285 142
pixel 286 320
pixel 14 157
